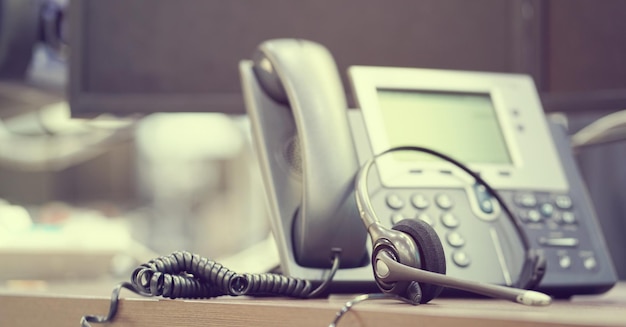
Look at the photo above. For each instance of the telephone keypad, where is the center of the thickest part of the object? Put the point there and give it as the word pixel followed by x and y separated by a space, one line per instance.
pixel 531 215
pixel 444 201
pixel 420 201
pixel 449 220
pixel 563 237
pixel 486 206
pixel 568 218
pixel 551 220
pixel 396 217
pixel 526 200
pixel 546 209
pixel 394 201
pixel 563 202
pixel 422 210
pixel 590 263
pixel 455 239
pixel 461 258
pixel 535 208
pixel 426 218
pixel 565 261
pixel 483 198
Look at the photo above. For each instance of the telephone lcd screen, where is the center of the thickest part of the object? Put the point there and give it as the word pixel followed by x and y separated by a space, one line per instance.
pixel 462 125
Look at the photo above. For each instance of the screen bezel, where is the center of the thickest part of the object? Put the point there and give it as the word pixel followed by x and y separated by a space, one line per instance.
pixel 535 162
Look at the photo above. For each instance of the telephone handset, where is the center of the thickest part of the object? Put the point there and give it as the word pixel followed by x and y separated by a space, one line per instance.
pixel 310 147
pixel 308 152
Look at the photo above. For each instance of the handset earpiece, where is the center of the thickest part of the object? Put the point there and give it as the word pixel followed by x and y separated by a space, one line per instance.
pixel 268 78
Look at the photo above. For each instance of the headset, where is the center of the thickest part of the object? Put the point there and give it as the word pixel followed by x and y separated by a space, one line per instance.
pixel 409 260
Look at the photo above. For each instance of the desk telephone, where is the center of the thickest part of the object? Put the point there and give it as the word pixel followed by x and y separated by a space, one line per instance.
pixel 310 147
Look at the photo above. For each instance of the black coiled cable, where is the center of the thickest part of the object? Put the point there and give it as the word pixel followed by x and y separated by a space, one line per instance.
pixel 190 276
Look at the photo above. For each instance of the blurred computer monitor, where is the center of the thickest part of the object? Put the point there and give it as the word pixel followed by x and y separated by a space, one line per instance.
pixel 135 56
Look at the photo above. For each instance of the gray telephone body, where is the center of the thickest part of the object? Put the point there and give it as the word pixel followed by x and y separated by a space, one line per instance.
pixel 310 146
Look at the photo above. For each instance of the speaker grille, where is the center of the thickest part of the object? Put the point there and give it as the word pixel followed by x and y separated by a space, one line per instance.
pixel 293 156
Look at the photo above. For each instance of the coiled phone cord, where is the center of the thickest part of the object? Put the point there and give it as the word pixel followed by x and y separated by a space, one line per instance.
pixel 190 276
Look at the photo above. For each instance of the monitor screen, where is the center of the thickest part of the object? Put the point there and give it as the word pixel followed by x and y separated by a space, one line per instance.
pixel 462 125
pixel 133 56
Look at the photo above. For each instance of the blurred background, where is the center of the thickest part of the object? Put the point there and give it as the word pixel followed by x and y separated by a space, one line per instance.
pixel 123 133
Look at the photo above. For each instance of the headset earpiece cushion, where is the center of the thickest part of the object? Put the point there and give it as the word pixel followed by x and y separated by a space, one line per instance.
pixel 430 250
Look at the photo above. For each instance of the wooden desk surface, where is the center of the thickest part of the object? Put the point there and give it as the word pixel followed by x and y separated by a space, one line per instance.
pixel 64 305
